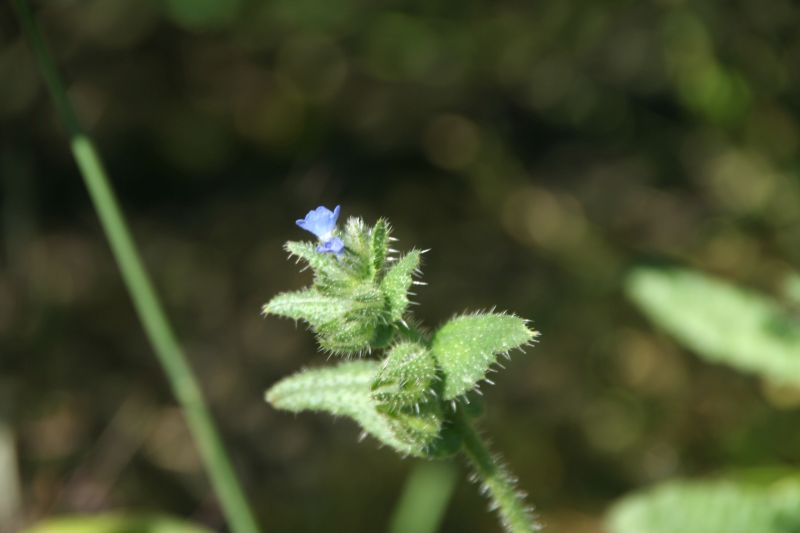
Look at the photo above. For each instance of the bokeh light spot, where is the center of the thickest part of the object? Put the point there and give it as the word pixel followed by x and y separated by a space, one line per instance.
pixel 451 141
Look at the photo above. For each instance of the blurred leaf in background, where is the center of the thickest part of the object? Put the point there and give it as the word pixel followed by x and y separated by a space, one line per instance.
pixel 710 507
pixel 721 322
pixel 116 523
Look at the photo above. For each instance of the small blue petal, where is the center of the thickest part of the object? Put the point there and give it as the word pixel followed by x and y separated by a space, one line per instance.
pixel 321 222
pixel 333 245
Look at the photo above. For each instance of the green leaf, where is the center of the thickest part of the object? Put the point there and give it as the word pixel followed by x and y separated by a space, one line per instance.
pixel 307 251
pixel 384 333
pixel 721 322
pixel 419 426
pixel 348 336
pixel 709 507
pixel 379 245
pixel 329 272
pixel 403 391
pixel 335 275
pixel 396 283
pixel 357 241
pixel 342 390
pixel 405 377
pixel 791 288
pixel 309 305
pixel 447 443
pixel 116 523
pixel 344 324
pixel 468 345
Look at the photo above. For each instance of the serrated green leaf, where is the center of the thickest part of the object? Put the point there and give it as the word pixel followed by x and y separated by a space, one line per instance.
pixel 342 390
pixel 379 245
pixel 396 283
pixel 116 523
pixel 709 507
pixel 467 346
pixel 721 322
pixel 405 377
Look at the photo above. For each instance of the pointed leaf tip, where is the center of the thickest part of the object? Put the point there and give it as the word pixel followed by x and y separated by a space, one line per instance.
pixel 466 346
pixel 396 283
pixel 379 246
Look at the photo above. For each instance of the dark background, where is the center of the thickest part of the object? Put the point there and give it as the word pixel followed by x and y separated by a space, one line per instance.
pixel 540 149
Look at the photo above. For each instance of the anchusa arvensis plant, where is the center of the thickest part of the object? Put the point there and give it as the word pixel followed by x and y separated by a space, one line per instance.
pixel 421 395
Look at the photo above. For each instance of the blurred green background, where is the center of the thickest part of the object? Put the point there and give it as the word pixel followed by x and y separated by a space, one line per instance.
pixel 540 149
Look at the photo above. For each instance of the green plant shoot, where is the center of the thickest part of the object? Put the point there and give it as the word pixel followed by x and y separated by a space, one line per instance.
pixel 414 397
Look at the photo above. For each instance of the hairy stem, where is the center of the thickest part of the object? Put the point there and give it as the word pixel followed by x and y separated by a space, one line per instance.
pixel 148 307
pixel 496 481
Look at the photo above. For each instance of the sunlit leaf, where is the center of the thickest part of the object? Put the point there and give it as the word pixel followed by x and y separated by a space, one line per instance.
pixel 327 269
pixel 467 346
pixel 420 427
pixel 405 376
pixel 396 283
pixel 721 322
pixel 709 507
pixel 310 305
pixel 344 324
pixel 342 390
pixel 379 245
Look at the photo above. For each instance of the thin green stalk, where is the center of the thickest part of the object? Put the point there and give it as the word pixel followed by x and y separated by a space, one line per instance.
pixel 425 498
pixel 515 515
pixel 149 309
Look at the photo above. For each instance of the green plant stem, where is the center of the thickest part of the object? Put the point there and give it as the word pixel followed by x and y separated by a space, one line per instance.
pixel 425 498
pixel 497 482
pixel 149 309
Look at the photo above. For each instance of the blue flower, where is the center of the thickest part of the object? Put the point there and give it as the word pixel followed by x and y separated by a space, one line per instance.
pixel 334 245
pixel 322 223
